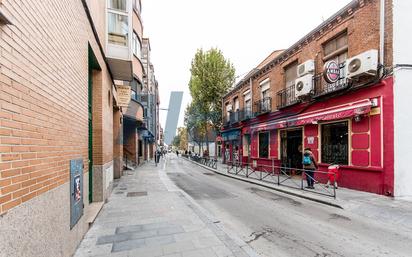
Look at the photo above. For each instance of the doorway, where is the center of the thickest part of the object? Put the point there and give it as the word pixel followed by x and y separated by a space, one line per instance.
pixel 291 148
pixel 93 66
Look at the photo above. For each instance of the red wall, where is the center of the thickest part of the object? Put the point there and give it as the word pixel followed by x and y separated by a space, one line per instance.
pixel 371 167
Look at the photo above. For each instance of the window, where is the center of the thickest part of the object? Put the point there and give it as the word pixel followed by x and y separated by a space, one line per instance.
pixel 291 74
pixel 137 6
pixel 137 46
pixel 264 145
pixel 228 110
pixel 336 49
pixel 118 29
pixel 236 103
pixel 335 143
pixel 264 88
pixel 119 5
pixel 247 99
pixel 135 89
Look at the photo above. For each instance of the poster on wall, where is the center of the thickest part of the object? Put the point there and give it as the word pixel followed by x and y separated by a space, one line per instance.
pixel 76 191
pixel 123 95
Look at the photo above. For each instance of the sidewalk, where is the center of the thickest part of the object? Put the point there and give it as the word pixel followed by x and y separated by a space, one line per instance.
pixel 397 212
pixel 146 215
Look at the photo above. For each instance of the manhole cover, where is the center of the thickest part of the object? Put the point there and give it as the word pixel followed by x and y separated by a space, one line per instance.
pixel 135 194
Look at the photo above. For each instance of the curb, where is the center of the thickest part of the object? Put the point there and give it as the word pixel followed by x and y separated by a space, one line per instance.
pixel 289 192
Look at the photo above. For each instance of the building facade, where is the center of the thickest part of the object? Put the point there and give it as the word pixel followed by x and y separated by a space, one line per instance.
pixel 68 87
pixel 332 91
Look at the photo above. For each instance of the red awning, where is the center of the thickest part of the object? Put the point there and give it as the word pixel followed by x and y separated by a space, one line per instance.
pixel 335 113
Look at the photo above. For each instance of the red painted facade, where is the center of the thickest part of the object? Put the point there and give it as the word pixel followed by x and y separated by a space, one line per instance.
pixel 370 165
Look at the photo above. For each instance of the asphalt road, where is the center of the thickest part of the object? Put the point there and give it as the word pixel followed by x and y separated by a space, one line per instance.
pixel 276 224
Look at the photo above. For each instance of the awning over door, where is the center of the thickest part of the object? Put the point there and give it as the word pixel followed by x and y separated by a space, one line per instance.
pixel 335 113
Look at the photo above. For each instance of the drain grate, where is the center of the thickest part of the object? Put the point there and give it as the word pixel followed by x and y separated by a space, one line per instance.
pixel 135 194
pixel 119 193
pixel 209 174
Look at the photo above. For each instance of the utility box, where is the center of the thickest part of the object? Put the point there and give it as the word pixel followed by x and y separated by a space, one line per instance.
pixel 76 191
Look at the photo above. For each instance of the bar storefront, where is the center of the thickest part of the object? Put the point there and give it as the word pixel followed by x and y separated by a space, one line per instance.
pixel 346 130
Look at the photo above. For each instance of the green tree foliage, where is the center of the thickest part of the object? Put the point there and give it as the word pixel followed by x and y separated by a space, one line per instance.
pixel 211 78
pixel 194 123
pixel 176 141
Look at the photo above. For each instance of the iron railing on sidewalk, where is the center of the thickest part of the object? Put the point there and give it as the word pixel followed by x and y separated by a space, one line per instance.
pixel 282 176
pixel 210 162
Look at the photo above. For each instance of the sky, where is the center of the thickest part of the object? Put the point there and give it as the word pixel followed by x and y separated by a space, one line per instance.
pixel 246 32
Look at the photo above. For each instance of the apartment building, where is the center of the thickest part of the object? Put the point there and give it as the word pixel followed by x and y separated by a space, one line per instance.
pixel 134 115
pixel 69 75
pixel 331 91
pixel 149 97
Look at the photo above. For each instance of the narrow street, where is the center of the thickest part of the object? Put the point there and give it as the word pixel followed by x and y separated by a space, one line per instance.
pixel 276 224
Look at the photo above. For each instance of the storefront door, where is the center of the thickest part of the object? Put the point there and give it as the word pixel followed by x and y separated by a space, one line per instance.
pixel 291 148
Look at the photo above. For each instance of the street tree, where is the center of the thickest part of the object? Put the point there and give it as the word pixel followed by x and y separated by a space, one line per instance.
pixel 211 77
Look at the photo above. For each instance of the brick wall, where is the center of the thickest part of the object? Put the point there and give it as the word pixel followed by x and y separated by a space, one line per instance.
pixel 362 27
pixel 43 98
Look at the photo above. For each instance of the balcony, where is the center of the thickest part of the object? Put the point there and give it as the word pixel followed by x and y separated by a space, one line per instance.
pixel 321 87
pixel 119 41
pixel 286 97
pixel 263 106
pixel 134 111
pixel 246 114
pixel 234 117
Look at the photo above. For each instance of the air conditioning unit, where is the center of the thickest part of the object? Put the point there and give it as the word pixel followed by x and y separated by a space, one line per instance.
pixel 306 67
pixel 303 85
pixel 365 63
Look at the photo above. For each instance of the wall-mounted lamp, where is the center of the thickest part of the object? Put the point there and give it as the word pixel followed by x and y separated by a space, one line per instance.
pixel 358 118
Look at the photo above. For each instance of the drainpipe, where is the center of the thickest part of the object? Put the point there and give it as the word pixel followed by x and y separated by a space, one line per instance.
pixel 382 35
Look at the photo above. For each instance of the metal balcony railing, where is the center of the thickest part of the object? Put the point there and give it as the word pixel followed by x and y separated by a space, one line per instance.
pixel 246 113
pixel 287 97
pixel 321 87
pixel 264 105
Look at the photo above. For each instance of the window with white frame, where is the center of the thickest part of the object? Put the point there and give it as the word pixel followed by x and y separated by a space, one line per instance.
pixel 137 6
pixel 247 101
pixel 264 88
pixel 118 22
pixel 137 46
pixel 228 111
pixel 119 5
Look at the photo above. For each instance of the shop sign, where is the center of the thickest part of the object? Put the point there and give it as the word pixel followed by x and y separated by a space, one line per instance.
pixel 311 140
pixel 331 72
pixel 123 95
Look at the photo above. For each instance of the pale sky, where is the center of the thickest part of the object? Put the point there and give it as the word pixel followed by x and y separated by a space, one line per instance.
pixel 246 32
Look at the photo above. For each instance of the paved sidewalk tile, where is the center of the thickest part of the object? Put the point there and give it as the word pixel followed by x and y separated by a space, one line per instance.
pixel 147 217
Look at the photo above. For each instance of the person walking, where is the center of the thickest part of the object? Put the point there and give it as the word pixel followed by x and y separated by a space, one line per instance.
pixel 309 165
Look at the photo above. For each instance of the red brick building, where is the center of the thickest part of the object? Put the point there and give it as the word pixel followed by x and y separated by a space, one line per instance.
pixel 62 116
pixel 331 91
